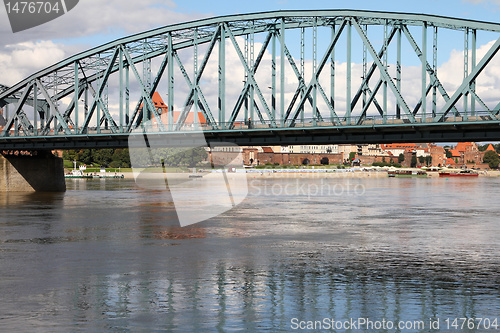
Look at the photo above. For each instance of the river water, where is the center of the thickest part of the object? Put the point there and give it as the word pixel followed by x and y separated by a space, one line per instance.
pixel 109 256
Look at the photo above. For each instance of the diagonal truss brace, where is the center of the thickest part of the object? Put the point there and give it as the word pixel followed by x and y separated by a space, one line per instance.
pixel 55 110
pixel 107 114
pixel 383 71
pixel 187 107
pixel 465 86
pixel 251 76
pixel 71 106
pixel 246 88
pixel 371 100
pixel 18 111
pixel 372 69
pixel 301 89
pixel 156 81
pixel 321 65
pixel 146 95
pixel 483 104
pixel 195 86
pixel 428 67
pixel 97 97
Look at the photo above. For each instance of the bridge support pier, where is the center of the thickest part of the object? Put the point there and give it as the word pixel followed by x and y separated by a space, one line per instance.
pixel 38 171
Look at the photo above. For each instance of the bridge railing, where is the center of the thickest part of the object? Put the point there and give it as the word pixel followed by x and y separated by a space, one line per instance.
pixel 370 121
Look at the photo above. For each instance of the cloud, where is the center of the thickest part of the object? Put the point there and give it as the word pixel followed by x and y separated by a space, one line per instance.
pixel 27 54
pixel 488 82
pixel 495 2
pixel 97 18
pixel 20 60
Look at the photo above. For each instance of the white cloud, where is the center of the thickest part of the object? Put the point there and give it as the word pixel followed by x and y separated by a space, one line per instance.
pixel 451 74
pixel 496 2
pixel 20 60
pixel 24 56
pixel 96 17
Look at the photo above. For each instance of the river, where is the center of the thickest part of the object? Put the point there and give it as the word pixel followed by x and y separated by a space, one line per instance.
pixel 108 255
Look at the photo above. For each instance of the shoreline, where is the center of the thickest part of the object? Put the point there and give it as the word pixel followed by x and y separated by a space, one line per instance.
pixel 267 173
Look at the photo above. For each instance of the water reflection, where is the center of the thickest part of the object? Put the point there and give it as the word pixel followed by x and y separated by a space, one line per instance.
pixel 107 255
pixel 228 297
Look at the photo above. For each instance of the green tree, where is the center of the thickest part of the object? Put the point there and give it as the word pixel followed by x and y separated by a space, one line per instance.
pixel 421 159
pixel 352 155
pixel 85 156
pixel 103 157
pixel 492 159
pixel 70 155
pixel 428 160
pixel 483 147
pixel 184 157
pixel 448 153
pixel 401 158
pixel 414 161
pixel 121 158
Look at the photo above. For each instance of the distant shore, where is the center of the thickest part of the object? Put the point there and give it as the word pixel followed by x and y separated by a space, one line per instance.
pixel 267 173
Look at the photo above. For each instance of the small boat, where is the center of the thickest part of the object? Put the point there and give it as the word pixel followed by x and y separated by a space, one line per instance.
pixel 78 174
pixel 404 173
pixel 109 175
pixel 459 173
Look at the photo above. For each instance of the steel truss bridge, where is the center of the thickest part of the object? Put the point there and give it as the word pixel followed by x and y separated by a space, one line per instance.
pixel 286 77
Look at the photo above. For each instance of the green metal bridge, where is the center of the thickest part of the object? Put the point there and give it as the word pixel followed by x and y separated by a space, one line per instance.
pixel 286 77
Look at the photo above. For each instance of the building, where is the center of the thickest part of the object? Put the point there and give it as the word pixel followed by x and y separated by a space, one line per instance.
pixel 162 110
pixel 399 148
pixel 438 155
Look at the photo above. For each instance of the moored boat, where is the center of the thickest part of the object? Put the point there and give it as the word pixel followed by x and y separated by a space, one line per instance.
pixel 77 174
pixel 405 173
pixel 459 173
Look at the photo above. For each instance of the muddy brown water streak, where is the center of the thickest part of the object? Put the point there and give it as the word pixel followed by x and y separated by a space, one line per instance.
pixel 107 256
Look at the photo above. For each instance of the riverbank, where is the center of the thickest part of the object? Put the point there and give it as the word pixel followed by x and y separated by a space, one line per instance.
pixel 268 173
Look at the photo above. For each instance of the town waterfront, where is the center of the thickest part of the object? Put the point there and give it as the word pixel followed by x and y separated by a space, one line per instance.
pixel 108 256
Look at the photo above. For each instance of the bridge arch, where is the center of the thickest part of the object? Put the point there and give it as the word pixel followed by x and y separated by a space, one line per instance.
pixel 109 90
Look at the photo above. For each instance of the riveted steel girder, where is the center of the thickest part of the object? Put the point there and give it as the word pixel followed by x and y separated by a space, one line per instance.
pixel 40 99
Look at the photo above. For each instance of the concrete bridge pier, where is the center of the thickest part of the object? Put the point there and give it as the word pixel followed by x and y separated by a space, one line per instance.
pixel 38 171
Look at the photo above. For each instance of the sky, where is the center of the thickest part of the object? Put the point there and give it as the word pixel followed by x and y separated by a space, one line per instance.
pixel 95 22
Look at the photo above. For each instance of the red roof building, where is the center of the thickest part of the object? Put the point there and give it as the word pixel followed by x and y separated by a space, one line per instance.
pixel 469 153
pixel 162 109
pixel 490 147
pixel 408 147
pixel 455 153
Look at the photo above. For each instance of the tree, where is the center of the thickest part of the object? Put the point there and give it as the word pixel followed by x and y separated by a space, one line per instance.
pixel 483 147
pixel 401 158
pixel 103 157
pixel 492 159
pixel 448 153
pixel 421 159
pixel 352 155
pixel 85 156
pixel 414 161
pixel 428 160
pixel 120 158
pixel 176 157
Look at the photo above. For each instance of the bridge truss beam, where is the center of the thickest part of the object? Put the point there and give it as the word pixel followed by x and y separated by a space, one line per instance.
pixel 89 94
